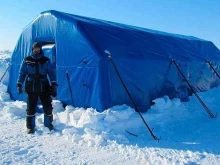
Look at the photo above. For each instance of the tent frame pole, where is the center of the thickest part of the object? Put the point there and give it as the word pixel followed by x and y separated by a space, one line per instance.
pixel 135 106
pixel 4 73
pixel 71 93
pixel 211 66
pixel 197 96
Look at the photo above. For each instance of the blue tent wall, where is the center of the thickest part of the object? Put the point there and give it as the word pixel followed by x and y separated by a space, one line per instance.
pixel 143 58
pixel 74 54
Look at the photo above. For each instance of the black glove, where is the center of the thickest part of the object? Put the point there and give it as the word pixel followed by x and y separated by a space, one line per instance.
pixel 54 89
pixel 19 88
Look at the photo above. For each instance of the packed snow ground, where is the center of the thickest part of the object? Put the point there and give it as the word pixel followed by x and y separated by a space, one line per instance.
pixel 85 136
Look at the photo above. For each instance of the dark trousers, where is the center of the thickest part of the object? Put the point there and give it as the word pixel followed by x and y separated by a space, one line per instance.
pixel 32 99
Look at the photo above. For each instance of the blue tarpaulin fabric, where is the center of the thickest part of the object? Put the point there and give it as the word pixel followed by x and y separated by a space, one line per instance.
pixel 143 58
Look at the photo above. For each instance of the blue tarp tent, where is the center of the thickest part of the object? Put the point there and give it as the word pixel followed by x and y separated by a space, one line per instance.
pixel 142 56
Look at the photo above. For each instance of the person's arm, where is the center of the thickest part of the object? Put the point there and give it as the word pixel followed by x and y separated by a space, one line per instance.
pixel 22 73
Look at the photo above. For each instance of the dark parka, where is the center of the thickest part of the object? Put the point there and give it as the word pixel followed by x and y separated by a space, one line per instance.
pixel 36 68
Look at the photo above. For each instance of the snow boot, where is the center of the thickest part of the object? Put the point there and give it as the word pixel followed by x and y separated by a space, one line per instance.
pixel 48 121
pixel 30 130
pixel 30 123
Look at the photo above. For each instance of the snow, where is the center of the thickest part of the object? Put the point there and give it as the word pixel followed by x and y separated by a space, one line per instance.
pixel 85 136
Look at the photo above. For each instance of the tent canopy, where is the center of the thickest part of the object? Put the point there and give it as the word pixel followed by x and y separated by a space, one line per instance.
pixel 143 58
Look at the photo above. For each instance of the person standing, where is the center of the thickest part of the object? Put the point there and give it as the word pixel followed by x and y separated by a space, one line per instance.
pixel 35 70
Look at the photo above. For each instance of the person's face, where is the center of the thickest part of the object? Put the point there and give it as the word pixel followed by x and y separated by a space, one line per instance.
pixel 36 50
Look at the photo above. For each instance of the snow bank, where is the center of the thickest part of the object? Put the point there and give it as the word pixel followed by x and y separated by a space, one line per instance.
pixel 189 135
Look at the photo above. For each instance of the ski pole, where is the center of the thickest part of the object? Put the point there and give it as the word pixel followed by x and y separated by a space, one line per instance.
pixel 197 96
pixel 135 106
pixel 71 94
pixel 5 73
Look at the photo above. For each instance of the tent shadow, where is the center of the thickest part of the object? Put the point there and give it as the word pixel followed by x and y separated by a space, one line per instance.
pixel 204 146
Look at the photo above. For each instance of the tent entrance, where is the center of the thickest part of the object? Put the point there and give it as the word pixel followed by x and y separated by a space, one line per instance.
pixel 50 52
